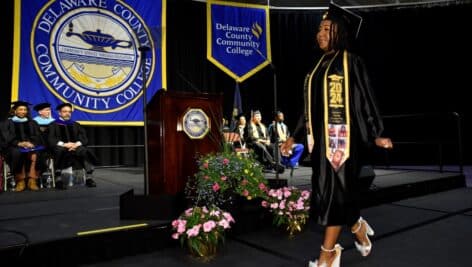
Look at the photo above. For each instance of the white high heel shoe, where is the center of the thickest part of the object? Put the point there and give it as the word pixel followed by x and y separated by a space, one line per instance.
pixel 336 262
pixel 364 249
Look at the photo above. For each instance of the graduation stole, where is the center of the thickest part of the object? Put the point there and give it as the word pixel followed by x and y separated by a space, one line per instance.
pixel 281 132
pixel 255 132
pixel 336 110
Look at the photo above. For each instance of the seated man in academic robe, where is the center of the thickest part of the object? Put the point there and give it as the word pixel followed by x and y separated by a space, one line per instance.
pixel 23 141
pixel 258 139
pixel 68 140
pixel 292 154
pixel 44 119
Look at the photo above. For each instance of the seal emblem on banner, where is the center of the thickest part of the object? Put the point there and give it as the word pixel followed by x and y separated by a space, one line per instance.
pixel 87 53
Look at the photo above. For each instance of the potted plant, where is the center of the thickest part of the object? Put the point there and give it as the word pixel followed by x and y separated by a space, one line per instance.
pixel 223 175
pixel 202 229
pixel 290 207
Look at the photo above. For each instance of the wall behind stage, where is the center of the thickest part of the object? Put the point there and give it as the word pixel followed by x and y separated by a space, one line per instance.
pixel 413 55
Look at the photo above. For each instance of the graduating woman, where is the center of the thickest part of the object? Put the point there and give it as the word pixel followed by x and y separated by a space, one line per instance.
pixel 341 120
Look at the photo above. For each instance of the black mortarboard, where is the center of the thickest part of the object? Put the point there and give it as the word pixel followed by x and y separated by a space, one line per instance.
pixel 255 112
pixel 240 115
pixel 351 20
pixel 41 106
pixel 20 103
pixel 60 106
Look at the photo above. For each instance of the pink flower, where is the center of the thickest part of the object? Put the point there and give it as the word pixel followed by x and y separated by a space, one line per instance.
pixel 262 186
pixel 264 204
pixel 175 223
pixel 188 212
pixel 194 231
pixel 225 161
pixel 181 226
pixel 300 205
pixel 208 226
pixel 245 193
pixel 274 205
pixel 224 223
pixel 244 182
pixel 305 194
pixel 205 165
pixel 279 194
pixel 228 217
pixel 175 235
pixel 282 205
pixel 215 187
pixel 287 193
pixel 224 178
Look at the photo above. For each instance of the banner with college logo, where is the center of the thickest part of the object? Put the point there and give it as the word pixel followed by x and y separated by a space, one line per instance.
pixel 86 52
pixel 238 38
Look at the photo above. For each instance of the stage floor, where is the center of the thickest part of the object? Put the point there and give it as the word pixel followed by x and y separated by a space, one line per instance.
pixel 420 231
pixel 433 230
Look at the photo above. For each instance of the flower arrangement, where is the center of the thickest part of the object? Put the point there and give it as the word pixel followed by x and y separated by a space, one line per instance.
pixel 290 207
pixel 202 229
pixel 224 174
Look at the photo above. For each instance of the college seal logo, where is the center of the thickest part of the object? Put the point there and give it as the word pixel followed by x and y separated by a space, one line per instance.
pixel 196 123
pixel 86 52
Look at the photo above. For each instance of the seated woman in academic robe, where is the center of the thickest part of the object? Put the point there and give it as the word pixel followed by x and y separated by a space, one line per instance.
pixel 23 142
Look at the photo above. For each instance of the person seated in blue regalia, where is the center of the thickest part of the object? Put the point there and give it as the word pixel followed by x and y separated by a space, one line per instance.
pixel 23 140
pixel 68 140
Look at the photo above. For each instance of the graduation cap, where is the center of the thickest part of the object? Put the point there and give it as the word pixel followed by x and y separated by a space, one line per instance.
pixel 20 103
pixel 351 21
pixel 256 112
pixel 60 106
pixel 240 115
pixel 41 106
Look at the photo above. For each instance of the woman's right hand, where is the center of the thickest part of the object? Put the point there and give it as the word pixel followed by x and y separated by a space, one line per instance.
pixel 384 142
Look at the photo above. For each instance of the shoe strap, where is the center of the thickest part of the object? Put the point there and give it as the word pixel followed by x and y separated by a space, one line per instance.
pixel 328 250
pixel 359 222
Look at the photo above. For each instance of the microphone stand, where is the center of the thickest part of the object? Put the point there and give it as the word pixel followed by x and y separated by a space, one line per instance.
pixel 143 50
pixel 278 183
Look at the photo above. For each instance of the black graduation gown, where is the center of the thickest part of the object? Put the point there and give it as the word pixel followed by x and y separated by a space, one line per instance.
pixel 15 132
pixel 336 195
pixel 69 131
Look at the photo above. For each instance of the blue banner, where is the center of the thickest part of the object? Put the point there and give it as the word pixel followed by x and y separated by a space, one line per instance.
pixel 238 38
pixel 86 52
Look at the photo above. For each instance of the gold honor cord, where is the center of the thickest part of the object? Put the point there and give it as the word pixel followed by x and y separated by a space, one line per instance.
pixel 347 109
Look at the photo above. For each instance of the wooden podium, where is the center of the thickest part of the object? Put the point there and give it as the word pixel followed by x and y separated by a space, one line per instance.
pixel 180 126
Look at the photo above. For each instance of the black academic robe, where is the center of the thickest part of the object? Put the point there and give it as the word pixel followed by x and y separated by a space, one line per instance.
pixel 336 194
pixel 70 131
pixel 65 132
pixel 16 132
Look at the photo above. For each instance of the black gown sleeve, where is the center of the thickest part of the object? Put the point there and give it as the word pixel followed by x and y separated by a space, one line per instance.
pixel 364 104
pixel 81 134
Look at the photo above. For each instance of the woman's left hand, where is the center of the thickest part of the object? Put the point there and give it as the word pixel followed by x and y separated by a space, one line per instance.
pixel 384 142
